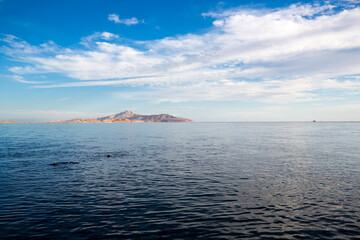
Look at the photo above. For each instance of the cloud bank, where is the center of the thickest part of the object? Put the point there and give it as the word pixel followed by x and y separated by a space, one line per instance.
pixel 294 54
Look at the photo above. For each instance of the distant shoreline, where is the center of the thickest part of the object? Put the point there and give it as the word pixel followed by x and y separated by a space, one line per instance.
pixel 126 117
pixel 59 122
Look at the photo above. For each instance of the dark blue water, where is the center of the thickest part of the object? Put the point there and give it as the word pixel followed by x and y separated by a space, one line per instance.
pixel 180 181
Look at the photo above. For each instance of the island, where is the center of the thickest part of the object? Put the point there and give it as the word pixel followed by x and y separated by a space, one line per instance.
pixel 127 116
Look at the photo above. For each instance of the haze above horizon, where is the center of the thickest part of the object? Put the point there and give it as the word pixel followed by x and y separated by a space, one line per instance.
pixel 205 60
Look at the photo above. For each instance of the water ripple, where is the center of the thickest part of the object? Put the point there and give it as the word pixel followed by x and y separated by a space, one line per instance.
pixel 180 181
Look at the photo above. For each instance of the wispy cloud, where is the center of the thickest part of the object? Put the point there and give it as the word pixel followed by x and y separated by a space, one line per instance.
pixel 292 54
pixel 129 21
pixel 271 91
pixel 22 80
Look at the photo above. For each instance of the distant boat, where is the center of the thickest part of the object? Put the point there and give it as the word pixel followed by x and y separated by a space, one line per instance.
pixel 314 120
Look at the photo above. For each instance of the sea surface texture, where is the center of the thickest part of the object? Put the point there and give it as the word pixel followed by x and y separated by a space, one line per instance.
pixel 180 181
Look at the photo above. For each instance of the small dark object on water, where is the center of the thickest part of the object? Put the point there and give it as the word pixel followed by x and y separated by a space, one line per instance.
pixel 117 154
pixel 62 163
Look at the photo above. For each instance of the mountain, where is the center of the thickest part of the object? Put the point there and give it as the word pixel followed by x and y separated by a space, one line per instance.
pixel 128 116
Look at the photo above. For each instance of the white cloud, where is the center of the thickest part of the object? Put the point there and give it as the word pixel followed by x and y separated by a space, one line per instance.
pixel 129 21
pixel 108 36
pixel 18 48
pixel 282 55
pixel 88 41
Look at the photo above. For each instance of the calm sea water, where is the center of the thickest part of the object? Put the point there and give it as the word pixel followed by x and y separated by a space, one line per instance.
pixel 180 181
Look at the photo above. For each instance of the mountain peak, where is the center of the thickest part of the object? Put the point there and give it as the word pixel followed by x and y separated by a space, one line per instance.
pixel 123 115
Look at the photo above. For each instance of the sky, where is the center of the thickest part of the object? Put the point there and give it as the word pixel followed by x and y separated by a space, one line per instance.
pixel 205 60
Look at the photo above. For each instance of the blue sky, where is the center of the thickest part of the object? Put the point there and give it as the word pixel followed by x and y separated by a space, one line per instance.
pixel 205 60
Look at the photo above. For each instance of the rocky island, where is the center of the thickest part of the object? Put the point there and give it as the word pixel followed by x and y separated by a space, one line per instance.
pixel 127 116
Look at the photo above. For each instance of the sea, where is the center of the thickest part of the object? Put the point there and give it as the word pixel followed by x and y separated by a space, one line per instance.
pixel 270 180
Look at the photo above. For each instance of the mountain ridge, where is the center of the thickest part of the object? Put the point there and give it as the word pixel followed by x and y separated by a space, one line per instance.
pixel 126 116
pixel 129 116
